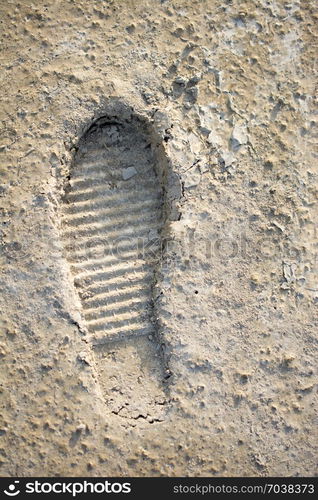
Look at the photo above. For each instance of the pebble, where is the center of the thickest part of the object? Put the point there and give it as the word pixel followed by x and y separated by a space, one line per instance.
pixel 192 178
pixel 194 80
pixel 83 358
pixel 81 427
pixel 129 172
pixel 239 136
pixel 180 81
pixel 214 140
pixel 228 158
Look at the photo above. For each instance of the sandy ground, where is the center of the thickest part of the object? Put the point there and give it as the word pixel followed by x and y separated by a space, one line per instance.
pixel 225 384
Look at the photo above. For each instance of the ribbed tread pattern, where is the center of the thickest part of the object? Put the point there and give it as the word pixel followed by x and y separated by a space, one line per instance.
pixel 112 219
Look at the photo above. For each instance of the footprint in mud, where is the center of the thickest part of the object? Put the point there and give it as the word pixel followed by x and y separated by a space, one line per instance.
pixel 113 217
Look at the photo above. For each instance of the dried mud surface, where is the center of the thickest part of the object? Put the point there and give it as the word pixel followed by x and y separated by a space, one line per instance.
pixel 227 384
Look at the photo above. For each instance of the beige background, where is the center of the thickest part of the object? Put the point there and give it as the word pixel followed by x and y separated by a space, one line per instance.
pixel 234 83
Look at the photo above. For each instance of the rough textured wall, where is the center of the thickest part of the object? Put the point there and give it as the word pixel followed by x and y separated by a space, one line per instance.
pixel 226 89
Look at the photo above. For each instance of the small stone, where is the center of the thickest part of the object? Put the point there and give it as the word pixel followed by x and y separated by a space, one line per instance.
pixel 255 277
pixel 238 137
pixel 205 130
pixel 214 140
pixel 149 97
pixel 131 28
pixel 194 80
pixel 81 427
pixel 203 169
pixel 195 143
pixel 228 158
pixel 192 94
pixel 180 81
pixel 83 358
pixel 279 226
pixel 289 272
pixel 192 178
pixel 285 286
pixel 128 173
